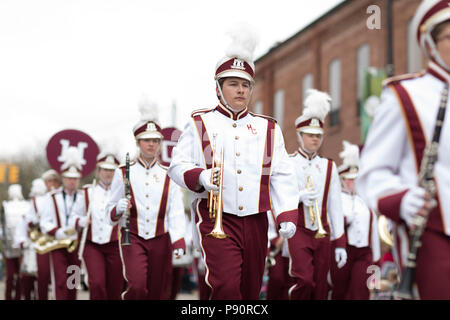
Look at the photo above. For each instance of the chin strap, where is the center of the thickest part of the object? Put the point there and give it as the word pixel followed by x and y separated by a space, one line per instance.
pixel 302 145
pixel 434 52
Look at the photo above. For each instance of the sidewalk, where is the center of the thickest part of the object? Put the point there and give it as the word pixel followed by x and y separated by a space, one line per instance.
pixel 84 295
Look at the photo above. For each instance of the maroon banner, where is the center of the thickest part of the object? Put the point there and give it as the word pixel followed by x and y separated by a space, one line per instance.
pixel 171 136
pixel 64 139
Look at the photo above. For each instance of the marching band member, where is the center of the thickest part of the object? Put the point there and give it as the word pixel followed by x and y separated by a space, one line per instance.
pixel 278 265
pixel 29 263
pixel 55 222
pixel 12 215
pixel 52 182
pixel 320 222
pixel 156 215
pixel 256 177
pixel 101 246
pixel 395 148
pixel 361 229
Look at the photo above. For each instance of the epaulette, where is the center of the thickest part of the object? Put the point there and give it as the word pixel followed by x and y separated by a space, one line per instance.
pixel 201 111
pixel 263 116
pixel 402 77
pixel 162 166
pixel 291 155
pixel 54 191
pixel 131 163
pixel 87 185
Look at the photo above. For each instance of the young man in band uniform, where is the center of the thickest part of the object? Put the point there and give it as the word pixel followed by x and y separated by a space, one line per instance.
pixel 319 205
pixel 55 222
pixel 257 177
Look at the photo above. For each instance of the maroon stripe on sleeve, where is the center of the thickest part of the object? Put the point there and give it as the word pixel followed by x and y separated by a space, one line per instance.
pixel 162 207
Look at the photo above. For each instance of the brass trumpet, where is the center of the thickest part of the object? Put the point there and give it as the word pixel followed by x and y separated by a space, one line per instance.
pixel 215 202
pixel 314 213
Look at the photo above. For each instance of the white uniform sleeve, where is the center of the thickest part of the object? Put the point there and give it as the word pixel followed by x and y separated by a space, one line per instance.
pixel 176 216
pixel 48 220
pixel 334 207
pixel 185 166
pixel 382 153
pixel 375 241
pixel 117 193
pixel 78 210
pixel 283 190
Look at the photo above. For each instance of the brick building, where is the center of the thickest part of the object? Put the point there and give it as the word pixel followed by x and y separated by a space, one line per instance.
pixel 332 54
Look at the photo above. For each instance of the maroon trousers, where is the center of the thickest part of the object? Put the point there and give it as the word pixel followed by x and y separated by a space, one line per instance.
pixel 350 282
pixel 43 275
pixel 204 290
pixel 12 266
pixel 310 262
pixel 279 279
pixel 65 265
pixel 104 268
pixel 148 265
pixel 234 265
pixel 27 285
pixel 433 267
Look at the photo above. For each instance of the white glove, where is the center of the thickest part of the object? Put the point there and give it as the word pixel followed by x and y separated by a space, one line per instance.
pixel 287 229
pixel 61 234
pixel 122 206
pixel 341 257
pixel 205 179
pixel 178 253
pixel 83 221
pixel 412 202
pixel 307 197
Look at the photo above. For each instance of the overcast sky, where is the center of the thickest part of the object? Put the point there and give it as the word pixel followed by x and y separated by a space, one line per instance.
pixel 86 64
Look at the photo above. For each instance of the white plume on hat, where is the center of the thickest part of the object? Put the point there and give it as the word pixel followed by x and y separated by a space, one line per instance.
pixel 38 187
pixel 371 105
pixel 15 192
pixel 350 154
pixel 148 110
pixel 72 158
pixel 244 40
pixel 108 147
pixel 317 104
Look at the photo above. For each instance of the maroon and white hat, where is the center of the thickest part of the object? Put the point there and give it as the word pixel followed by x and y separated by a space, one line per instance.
pixel 107 161
pixel 72 163
pixel 316 107
pixel 238 59
pixel 428 15
pixel 147 127
pixel 350 161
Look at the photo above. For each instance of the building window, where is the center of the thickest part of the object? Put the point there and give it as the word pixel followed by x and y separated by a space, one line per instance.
pixel 278 107
pixel 363 62
pixel 414 53
pixel 307 83
pixel 258 107
pixel 335 91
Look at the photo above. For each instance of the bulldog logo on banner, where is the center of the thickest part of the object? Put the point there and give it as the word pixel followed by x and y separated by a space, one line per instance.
pixel 171 136
pixel 86 146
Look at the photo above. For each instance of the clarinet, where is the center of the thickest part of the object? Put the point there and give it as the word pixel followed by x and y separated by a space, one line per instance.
pixel 126 236
pixel 426 181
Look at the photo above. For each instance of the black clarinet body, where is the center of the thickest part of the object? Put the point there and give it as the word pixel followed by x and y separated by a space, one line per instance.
pixel 126 235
